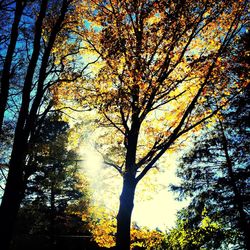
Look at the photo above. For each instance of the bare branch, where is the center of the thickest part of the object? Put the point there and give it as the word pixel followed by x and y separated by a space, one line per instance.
pixel 2 172
pixel 118 168
pixel 113 123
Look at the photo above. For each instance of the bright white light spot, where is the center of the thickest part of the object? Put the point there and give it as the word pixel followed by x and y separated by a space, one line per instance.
pixel 158 212
pixel 92 162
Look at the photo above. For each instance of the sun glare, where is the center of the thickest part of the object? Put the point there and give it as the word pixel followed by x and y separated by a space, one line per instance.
pixel 157 210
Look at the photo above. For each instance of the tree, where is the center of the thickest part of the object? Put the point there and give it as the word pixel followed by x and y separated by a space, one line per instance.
pixel 188 236
pixel 56 189
pixel 144 238
pixel 215 173
pixel 6 69
pixel 102 225
pixel 46 27
pixel 159 61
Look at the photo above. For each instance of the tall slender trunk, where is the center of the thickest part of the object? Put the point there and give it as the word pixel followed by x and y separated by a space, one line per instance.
pixel 238 201
pixel 52 212
pixel 129 179
pixel 13 193
pixel 5 78
pixel 16 184
pixel 125 213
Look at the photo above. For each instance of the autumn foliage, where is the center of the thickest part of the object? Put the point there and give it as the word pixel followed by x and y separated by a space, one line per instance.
pixel 151 71
pixel 163 68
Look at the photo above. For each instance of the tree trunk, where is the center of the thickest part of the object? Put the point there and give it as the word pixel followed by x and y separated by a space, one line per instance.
pixel 52 212
pixel 125 212
pixel 13 194
pixel 238 201
pixel 5 79
pixel 9 209
pixel 16 184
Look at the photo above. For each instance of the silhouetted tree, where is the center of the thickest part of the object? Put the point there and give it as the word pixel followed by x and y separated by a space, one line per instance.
pixel 56 195
pixel 216 174
pixel 46 27
pixel 159 60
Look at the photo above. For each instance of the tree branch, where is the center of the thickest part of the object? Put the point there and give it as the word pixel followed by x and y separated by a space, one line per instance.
pixel 118 168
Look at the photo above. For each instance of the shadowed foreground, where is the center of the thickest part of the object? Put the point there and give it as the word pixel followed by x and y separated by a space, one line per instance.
pixel 68 242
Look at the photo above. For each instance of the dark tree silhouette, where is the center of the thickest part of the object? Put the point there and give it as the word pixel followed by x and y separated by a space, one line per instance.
pixel 44 27
pixel 6 70
pixel 159 63
pixel 55 197
pixel 216 174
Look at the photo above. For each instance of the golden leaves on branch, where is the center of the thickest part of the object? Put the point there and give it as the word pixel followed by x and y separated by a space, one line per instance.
pixel 155 56
pixel 148 239
pixel 102 225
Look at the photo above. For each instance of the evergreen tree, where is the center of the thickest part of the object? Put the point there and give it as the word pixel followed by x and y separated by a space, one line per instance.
pixel 215 173
pixel 56 194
